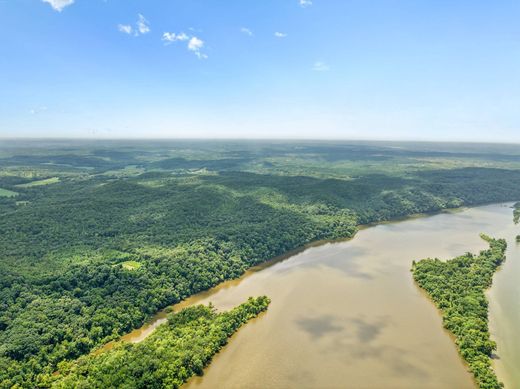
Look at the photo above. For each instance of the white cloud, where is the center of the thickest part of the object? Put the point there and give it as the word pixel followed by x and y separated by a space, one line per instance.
pixel 246 31
pixel 320 66
pixel 195 44
pixel 126 28
pixel 280 34
pixel 170 37
pixel 305 3
pixel 142 25
pixel 58 5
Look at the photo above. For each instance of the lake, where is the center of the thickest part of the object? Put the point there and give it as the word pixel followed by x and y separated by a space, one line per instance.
pixel 348 314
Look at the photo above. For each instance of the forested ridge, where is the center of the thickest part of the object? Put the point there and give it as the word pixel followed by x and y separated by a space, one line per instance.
pixel 457 287
pixel 188 217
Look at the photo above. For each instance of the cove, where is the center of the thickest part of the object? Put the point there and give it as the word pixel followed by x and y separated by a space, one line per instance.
pixel 348 314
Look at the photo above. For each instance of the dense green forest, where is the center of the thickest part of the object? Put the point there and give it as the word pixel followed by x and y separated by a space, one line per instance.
pixel 166 359
pixel 457 287
pixel 97 236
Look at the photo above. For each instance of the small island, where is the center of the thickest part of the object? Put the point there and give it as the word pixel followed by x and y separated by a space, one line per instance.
pixel 516 212
pixel 457 288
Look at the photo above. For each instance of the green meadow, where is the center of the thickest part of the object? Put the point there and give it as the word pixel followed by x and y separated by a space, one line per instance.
pixel 7 193
pixel 47 181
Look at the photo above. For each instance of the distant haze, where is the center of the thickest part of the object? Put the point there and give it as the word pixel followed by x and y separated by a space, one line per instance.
pixel 285 69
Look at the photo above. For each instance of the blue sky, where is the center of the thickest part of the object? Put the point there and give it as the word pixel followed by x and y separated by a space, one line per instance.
pixel 346 69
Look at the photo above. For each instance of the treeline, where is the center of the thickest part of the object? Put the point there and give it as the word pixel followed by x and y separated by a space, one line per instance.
pixel 167 358
pixel 457 287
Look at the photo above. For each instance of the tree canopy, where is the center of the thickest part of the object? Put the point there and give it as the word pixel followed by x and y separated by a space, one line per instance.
pixel 457 288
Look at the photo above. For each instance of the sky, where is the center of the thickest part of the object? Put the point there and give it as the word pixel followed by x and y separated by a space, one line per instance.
pixel 308 69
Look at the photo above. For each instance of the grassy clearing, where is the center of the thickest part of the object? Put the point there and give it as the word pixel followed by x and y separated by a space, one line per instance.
pixel 47 181
pixel 130 265
pixel 7 193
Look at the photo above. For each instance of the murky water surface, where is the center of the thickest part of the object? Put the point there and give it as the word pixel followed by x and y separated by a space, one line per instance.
pixel 348 314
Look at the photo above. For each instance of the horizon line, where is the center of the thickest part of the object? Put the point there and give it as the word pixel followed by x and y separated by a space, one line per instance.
pixel 254 139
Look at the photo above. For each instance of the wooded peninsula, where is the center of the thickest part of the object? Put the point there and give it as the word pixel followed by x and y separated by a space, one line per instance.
pixel 457 287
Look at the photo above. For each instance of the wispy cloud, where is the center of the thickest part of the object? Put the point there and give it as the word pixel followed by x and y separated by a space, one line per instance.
pixel 142 26
pixel 170 37
pixel 280 34
pixel 125 28
pixel 37 110
pixel 58 5
pixel 320 66
pixel 246 31
pixel 195 45
pixel 305 3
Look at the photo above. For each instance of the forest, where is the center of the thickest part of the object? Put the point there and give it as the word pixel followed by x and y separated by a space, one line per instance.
pixel 95 236
pixel 457 287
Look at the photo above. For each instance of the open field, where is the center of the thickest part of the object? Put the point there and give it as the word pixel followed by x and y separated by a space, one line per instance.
pixel 47 181
pixel 7 193
pixel 130 265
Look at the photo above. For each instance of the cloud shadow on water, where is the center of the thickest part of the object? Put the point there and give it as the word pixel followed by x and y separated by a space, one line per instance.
pixel 357 340
pixel 319 326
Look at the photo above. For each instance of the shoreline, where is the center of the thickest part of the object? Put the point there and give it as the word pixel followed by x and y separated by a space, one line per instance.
pixel 160 316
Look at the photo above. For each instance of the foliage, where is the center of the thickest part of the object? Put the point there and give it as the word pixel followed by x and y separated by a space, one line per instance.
pixel 516 212
pixel 457 287
pixel 167 358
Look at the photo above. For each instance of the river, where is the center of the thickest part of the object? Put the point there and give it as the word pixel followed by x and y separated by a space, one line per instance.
pixel 348 314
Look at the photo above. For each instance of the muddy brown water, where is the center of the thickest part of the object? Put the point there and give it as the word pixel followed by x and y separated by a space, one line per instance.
pixel 348 314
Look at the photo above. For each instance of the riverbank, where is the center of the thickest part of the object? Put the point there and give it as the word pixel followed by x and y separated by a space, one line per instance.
pixel 139 334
